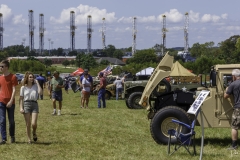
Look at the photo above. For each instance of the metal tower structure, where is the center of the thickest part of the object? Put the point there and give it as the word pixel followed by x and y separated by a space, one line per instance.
pixel 89 33
pixel 103 33
pixel 186 25
pixel 164 30
pixel 31 30
pixel 134 35
pixel 72 30
pixel 41 34
pixel 1 32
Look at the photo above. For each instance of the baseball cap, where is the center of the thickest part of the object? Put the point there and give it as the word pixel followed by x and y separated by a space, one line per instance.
pixel 55 72
pixel 101 74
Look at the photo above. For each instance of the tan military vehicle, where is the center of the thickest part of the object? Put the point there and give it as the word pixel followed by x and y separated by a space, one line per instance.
pixel 216 110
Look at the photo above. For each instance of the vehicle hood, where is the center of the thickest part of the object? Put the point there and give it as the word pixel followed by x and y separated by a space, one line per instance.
pixel 161 71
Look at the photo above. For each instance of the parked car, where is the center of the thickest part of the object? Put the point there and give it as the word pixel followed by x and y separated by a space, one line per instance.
pixel 19 77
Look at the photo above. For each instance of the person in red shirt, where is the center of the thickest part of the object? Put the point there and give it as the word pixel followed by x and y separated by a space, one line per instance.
pixel 8 81
pixel 101 90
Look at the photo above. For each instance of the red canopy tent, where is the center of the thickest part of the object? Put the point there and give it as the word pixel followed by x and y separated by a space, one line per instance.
pixel 77 72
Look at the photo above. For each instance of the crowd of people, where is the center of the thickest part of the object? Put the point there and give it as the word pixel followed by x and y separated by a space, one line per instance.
pixel 31 91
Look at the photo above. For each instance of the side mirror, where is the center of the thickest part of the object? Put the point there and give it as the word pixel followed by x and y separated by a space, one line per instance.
pixel 213 78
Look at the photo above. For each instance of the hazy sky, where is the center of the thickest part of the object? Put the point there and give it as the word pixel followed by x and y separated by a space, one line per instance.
pixel 209 20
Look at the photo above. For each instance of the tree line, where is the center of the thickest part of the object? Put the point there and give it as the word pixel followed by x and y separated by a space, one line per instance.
pixel 207 54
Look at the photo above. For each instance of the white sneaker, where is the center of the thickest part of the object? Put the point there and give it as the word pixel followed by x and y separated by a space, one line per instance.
pixel 59 112
pixel 54 113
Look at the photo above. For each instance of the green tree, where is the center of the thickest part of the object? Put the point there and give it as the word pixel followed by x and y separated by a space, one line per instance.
pixel 72 62
pixel 88 61
pixel 3 55
pixel 65 63
pixel 110 49
pixel 118 54
pixel 59 51
pixel 47 62
pixel 142 56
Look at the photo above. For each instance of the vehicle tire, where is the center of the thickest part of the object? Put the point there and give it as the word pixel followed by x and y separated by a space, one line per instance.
pixel 107 95
pixel 162 122
pixel 165 83
pixel 126 101
pixel 134 99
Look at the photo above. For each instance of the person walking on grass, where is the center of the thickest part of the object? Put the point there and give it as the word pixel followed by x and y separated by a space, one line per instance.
pixel 86 90
pixel 90 79
pixel 8 82
pixel 101 90
pixel 66 86
pixel 28 104
pixel 49 86
pixel 41 80
pixel 234 89
pixel 56 91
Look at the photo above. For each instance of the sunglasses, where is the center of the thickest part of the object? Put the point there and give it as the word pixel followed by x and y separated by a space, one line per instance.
pixel 2 66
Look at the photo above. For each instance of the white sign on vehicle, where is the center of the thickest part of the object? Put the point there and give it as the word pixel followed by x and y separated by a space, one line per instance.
pixel 198 102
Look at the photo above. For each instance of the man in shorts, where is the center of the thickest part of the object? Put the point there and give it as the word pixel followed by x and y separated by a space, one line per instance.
pixel 56 86
pixel 234 89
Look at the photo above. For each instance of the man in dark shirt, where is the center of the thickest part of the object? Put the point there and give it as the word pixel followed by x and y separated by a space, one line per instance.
pixel 41 80
pixel 101 90
pixel 234 89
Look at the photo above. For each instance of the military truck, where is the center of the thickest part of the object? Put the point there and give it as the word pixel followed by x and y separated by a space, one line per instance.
pixel 216 110
pixel 184 80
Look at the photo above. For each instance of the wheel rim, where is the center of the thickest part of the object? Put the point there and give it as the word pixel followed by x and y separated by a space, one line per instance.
pixel 168 124
pixel 136 100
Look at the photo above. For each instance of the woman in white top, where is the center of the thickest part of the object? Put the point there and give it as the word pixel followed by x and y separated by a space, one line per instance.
pixel 86 90
pixel 28 104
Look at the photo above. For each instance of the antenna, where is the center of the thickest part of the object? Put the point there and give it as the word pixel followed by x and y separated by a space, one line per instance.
pixel 31 30
pixel 72 30
pixel 186 26
pixel 134 35
pixel 164 30
pixel 41 34
pixel 103 33
pixel 89 33
pixel 1 31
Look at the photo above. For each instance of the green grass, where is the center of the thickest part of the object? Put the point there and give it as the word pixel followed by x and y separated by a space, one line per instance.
pixel 112 133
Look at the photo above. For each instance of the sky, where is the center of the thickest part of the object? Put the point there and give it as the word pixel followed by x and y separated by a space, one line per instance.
pixel 214 20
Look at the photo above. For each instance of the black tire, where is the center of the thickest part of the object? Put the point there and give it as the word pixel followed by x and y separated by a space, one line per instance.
pixel 107 95
pixel 134 99
pixel 165 83
pixel 126 101
pixel 162 122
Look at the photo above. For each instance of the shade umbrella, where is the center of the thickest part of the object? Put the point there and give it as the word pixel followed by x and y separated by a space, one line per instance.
pixel 77 72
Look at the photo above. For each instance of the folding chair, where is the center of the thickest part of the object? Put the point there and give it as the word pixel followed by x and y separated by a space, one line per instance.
pixel 183 140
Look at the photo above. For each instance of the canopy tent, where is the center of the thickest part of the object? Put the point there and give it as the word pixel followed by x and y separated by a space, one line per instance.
pixel 77 72
pixel 178 70
pixel 146 71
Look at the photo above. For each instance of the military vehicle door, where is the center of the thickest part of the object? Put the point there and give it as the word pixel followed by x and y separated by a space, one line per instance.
pixel 224 108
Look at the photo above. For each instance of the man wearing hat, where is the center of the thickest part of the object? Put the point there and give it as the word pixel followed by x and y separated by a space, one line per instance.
pixel 89 78
pixel 56 86
pixel 101 90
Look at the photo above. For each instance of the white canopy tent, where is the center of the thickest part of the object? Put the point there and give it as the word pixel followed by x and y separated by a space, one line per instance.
pixel 146 71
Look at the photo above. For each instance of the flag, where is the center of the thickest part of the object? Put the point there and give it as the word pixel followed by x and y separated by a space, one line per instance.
pixel 107 70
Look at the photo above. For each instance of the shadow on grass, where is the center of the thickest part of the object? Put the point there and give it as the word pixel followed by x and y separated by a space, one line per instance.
pixel 33 143
pixel 214 141
pixel 71 114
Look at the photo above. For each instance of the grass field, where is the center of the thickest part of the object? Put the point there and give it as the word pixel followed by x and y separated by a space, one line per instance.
pixel 112 133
